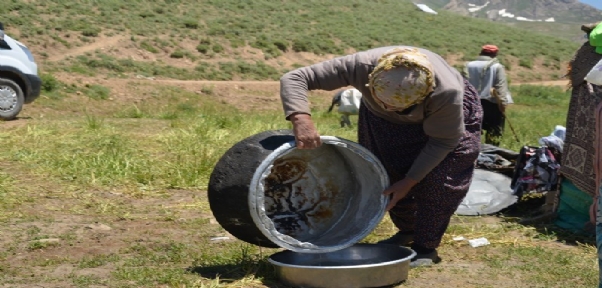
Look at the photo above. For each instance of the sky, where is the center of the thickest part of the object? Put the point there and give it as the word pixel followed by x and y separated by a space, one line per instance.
pixel 595 3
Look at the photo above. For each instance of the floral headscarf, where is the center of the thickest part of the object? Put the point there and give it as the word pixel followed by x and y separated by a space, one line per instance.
pixel 402 78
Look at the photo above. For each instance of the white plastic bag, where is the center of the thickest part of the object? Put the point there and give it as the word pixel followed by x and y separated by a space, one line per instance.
pixel 489 193
pixel 350 102
pixel 509 97
pixel 560 132
pixel 595 75
pixel 474 243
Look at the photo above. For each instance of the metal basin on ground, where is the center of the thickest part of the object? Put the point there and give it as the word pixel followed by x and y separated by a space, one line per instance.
pixel 360 265
pixel 267 192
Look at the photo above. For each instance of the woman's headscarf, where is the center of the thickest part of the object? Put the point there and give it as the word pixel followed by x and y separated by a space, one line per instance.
pixel 402 78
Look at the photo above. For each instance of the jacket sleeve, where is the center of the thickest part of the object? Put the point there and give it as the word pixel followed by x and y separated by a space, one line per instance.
pixel 464 71
pixel 444 125
pixel 328 75
pixel 500 83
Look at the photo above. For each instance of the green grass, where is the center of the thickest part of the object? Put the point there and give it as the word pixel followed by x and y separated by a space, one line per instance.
pixel 99 151
pixel 144 176
pixel 535 114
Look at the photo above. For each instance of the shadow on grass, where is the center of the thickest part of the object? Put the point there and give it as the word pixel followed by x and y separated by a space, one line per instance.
pixel 530 213
pixel 230 273
pixel 17 119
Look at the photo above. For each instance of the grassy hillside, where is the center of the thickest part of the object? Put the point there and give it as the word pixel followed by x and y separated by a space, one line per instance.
pixel 231 39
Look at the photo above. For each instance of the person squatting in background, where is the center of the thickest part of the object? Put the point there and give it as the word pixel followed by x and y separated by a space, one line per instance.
pixel 488 76
pixel 348 101
pixel 418 116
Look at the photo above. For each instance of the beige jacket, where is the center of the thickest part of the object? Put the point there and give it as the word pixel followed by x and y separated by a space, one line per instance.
pixel 441 114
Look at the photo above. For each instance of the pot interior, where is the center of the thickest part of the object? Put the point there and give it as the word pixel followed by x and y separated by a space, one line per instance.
pixel 322 199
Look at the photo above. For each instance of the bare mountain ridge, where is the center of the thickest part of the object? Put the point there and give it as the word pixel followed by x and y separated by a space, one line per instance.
pixel 560 11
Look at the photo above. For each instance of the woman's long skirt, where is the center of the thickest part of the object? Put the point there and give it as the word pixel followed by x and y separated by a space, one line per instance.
pixel 428 207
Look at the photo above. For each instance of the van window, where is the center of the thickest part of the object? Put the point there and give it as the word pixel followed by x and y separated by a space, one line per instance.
pixel 4 45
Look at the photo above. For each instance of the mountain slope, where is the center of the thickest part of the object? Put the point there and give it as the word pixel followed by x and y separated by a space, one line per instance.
pixel 255 40
pixel 562 11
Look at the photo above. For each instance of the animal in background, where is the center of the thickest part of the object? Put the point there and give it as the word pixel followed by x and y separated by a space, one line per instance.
pixel 348 101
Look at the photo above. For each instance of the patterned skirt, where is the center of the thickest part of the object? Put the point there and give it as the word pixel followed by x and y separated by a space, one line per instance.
pixel 427 209
pixel 580 138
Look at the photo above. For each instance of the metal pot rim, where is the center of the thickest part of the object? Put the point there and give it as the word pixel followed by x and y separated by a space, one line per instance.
pixel 386 263
pixel 265 224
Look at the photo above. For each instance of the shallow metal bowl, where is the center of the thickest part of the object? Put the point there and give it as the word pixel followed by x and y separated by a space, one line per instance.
pixel 360 265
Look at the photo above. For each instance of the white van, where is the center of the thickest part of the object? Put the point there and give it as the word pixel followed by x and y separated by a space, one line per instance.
pixel 19 80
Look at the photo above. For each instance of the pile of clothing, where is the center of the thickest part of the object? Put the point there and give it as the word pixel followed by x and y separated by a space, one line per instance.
pixel 497 159
pixel 536 170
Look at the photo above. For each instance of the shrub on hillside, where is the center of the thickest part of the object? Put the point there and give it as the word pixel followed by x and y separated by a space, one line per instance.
pixel 97 92
pixel 527 63
pixel 235 42
pixel 204 45
pixel 249 71
pixel 191 23
pixel 91 31
pixel 267 45
pixel 319 44
pixel 302 45
pixel 146 14
pixel 281 45
pixel 49 82
pixel 148 47
pixel 178 54
pixel 217 48
pixel 202 48
pixel 103 61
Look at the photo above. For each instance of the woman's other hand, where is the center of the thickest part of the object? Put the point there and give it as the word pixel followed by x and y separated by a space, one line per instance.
pixel 399 190
pixel 306 135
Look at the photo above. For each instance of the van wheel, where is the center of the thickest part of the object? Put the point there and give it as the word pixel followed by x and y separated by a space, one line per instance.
pixel 11 99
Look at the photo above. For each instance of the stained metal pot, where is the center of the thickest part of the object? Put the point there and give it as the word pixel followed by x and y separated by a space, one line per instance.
pixel 361 265
pixel 267 192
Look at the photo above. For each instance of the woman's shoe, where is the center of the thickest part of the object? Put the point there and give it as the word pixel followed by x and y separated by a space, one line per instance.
pixel 428 259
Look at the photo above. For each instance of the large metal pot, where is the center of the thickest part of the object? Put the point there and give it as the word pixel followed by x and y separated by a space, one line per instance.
pixel 266 192
pixel 361 265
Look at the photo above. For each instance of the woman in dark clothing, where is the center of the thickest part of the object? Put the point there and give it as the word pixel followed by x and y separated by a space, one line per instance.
pixel 422 120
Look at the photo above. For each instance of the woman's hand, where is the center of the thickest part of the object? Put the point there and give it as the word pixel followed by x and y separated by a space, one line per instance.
pixel 306 135
pixel 399 190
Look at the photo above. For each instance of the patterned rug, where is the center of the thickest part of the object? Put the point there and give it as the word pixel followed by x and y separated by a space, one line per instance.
pixel 579 152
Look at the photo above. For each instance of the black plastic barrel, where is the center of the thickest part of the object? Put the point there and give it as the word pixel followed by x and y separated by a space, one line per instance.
pixel 266 192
